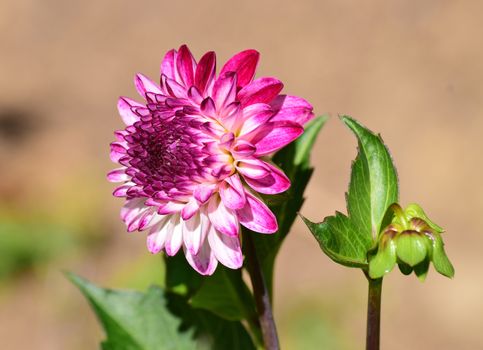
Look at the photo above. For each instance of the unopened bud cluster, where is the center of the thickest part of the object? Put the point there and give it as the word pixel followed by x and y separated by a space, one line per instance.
pixel 411 241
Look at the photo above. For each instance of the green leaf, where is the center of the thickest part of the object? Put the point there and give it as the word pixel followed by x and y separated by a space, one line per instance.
pixel 211 331
pixel 180 277
pixel 195 294
pixel 372 189
pixel 226 295
pixel 134 320
pixel 339 239
pixel 374 184
pixel 159 320
pixel 294 160
pixel 440 259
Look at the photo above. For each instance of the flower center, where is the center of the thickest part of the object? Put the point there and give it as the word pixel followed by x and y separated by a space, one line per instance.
pixel 167 154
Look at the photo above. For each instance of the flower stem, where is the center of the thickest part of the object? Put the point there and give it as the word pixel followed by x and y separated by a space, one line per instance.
pixel 262 297
pixel 373 313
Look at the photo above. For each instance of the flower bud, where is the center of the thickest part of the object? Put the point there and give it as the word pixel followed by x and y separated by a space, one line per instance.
pixel 412 241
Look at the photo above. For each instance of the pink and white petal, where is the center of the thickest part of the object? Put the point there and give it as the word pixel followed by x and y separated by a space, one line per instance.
pixel 186 65
pixel 174 238
pixel 243 149
pixel 252 168
pixel 222 158
pixel 274 182
pixel 190 209
pixel 132 204
pixel 255 115
pixel 132 209
pixel 222 171
pixel 272 136
pixel 156 202
pixel 224 90
pixel 205 72
pixel 292 108
pixel 142 218
pixel 118 151
pixel 208 107
pixel 148 220
pixel 125 107
pixel 193 234
pixel 205 221
pixel 204 262
pixel 222 218
pixel 232 117
pixel 143 85
pixel 235 182
pixel 118 175
pixel 120 135
pixel 232 192
pixel 171 207
pixel 156 219
pixel 174 88
pixel 157 235
pixel 261 90
pixel 168 65
pixel 244 64
pixel 121 191
pixel 227 249
pixel 256 216
pixel 203 192
pixel 226 140
pixel 195 95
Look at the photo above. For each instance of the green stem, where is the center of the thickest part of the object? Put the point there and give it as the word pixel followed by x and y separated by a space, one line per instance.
pixel 373 313
pixel 262 297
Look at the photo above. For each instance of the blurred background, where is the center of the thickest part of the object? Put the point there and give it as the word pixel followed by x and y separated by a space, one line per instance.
pixel 411 70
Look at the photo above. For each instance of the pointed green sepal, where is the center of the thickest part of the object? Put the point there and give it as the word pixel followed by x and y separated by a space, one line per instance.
pixel 421 269
pixel 415 211
pixel 440 260
pixel 384 260
pixel 405 268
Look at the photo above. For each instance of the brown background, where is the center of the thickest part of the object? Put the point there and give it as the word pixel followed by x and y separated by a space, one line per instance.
pixel 411 70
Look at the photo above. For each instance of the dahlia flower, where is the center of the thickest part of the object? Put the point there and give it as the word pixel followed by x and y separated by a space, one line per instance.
pixel 194 153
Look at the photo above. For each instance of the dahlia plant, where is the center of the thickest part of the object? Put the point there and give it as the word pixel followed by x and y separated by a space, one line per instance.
pixel 195 153
pixel 201 160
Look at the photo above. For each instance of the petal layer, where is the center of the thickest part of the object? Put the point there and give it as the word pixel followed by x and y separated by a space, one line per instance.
pixel 204 262
pixel 272 136
pixel 244 64
pixel 227 249
pixel 222 218
pixel 256 216
pixel 261 90
pixel 273 182
pixel 292 108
